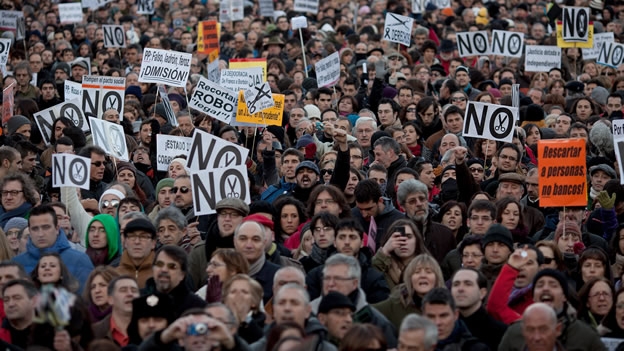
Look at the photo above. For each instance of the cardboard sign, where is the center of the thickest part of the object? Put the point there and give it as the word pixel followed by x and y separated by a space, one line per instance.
pixel 101 93
pixel 575 24
pixel 574 44
pixel 8 20
pixel 311 6
pixel 214 74
pixel 270 116
pixel 165 67
pixel 209 151
pixel 299 22
pixel 70 109
pixel 599 39
pixel 212 186
pixel 145 7
pixel 266 8
pixel 207 37
pixel 214 100
pixel 328 70
pixel 489 121
pixel 114 36
pixel 540 58
pixel 617 127
pixel 611 54
pixel 5 47
pixel 259 98
pixel 398 29
pixel 251 63
pixel 164 99
pixel 169 147
pixel 8 100
pixel 110 137
pixel 562 172
pixel 73 90
pixel 71 170
pixel 70 13
pixel 94 4
pixel 473 43
pixel 240 79
pixel 509 44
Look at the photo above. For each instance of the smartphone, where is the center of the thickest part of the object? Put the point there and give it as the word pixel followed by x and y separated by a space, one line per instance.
pixel 401 231
pixel 320 126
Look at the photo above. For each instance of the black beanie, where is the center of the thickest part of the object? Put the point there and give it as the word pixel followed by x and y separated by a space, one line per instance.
pixel 554 274
pixel 500 233
pixel 534 113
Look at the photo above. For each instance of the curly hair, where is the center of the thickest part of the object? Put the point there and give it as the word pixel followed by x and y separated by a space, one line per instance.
pixel 29 188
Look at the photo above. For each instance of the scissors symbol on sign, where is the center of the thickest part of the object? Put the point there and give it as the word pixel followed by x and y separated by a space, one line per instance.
pixel 403 23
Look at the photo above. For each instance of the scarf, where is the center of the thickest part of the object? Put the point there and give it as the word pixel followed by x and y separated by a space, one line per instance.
pixel 97 256
pixel 318 255
pixel 21 211
pixel 415 150
pixel 593 193
pixel 97 314
pixel 395 271
pixel 467 89
pixel 255 267
pixel 518 293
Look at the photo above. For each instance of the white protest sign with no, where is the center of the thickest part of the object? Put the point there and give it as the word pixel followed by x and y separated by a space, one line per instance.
pixel 70 109
pixel 114 36
pixel 507 43
pixel 70 13
pixel 617 127
pixel 473 43
pixel 73 90
pixel 328 70
pixel 71 170
pixel 212 186
pixel 489 121
pixel 311 6
pixel 209 151
pixel 259 98
pixel 169 147
pixel 145 7
pixel 214 100
pixel 101 93
pixel 5 46
pixel 398 29
pixel 611 54
pixel 599 39
pixel 165 67
pixel 110 137
pixel 540 58
pixel 576 24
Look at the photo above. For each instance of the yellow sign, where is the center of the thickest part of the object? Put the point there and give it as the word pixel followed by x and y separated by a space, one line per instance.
pixel 270 116
pixel 565 44
pixel 250 63
pixel 208 38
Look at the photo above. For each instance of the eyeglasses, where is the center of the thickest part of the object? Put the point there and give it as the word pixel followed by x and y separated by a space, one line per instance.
pixel 458 99
pixel 327 171
pixel 99 163
pixel 12 233
pixel 13 193
pixel 322 229
pixel 600 294
pixel 142 237
pixel 476 169
pixel 110 203
pixel 337 279
pixel 607 74
pixel 229 214
pixel 171 265
pixel 412 110
pixel 548 260
pixel 215 264
pixel 480 218
pixel 183 189
pixel 472 255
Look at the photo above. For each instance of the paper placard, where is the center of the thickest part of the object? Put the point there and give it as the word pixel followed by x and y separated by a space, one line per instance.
pixel 473 43
pixel 207 37
pixel 94 4
pixel 398 29
pixel 540 58
pixel 599 39
pixel 73 90
pixel 489 121
pixel 328 70
pixel 611 54
pixel 617 127
pixel 299 22
pixel 145 7
pixel 266 8
pixel 251 63
pixel 209 151
pixel 259 98
pixel 110 137
pixel 164 99
pixel 270 116
pixel 570 44
pixel 8 20
pixel 211 186
pixel 71 170
pixel 8 100
pixel 562 172
pixel 611 343
pixel 240 79
pixel 114 36
pixel 169 147
pixel 101 93
pixel 5 47
pixel 165 67
pixel 575 24
pixel 311 6
pixel 70 13
pixel 214 74
pixel 505 43
pixel 70 109
pixel 214 100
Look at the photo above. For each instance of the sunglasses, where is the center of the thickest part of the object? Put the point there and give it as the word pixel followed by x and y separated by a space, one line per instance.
pixel 548 260
pixel 110 203
pixel 327 171
pixel 478 170
pixel 458 99
pixel 98 163
pixel 183 189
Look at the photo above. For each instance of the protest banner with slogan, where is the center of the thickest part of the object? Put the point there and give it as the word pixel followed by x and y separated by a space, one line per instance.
pixel 250 63
pixel 110 137
pixel 70 109
pixel 299 22
pixel 266 8
pixel 611 54
pixel 489 121
pixel 73 90
pixel 211 186
pixel 473 43
pixel 5 47
pixel 562 172
pixel 8 100
pixel 207 37
pixel 237 8
pixel 8 20
pixel 270 116
pixel 507 44
pixel 611 343
pixel 164 99
pixel 114 36
pixel 101 93
pixel 575 44
pixel 259 98
pixel 145 7
pixel 311 6
pixel 617 127
pixel 71 170
pixel 214 100
pixel 575 24
pixel 328 70
pixel 94 4
pixel 165 67
pixel 70 13
pixel 240 79
pixel 398 29
pixel 599 39
pixel 540 58
pixel 169 147
pixel 209 151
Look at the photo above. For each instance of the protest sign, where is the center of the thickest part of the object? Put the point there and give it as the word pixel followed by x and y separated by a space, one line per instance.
pixel 169 147
pixel 611 343
pixel 165 67
pixel 575 24
pixel 540 58
pixel 225 11
pixel 398 29
pixel 473 43
pixel 7 103
pixel 211 186
pixel 328 70
pixel 114 36
pixel 489 121
pixel 575 44
pixel 507 44
pixel 70 109
pixel 299 22
pixel 418 6
pixel 73 90
pixel 101 93
pixel 214 75
pixel 611 54
pixel 110 137
pixel 5 46
pixel 599 39
pixel 214 100
pixel 164 99
pixel 266 8
pixel 617 127
pixel 145 7
pixel 237 8
pixel 270 116
pixel 251 63
pixel 71 170
pixel 8 20
pixel 207 37
pixel 240 79
pixel 562 172
pixel 70 13
pixel 20 28
pixel 311 6
pixel 94 4
pixel 259 98
pixel 209 151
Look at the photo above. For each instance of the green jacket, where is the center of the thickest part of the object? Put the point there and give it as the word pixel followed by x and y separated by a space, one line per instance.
pixel 397 306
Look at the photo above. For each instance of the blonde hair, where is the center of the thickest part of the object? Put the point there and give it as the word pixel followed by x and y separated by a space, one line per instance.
pixel 422 260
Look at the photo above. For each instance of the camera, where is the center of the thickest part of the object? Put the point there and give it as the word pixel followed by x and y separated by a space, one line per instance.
pixel 197 329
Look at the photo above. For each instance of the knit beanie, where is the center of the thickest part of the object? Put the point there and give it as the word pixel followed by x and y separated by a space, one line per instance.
pixel 15 123
pixel 277 131
pixel 115 192
pixel 571 227
pixel 549 272
pixel 123 165
pixel 499 233
pixel 164 183
pixel 112 234
pixel 16 223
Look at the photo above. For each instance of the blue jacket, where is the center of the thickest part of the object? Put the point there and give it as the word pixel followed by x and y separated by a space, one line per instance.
pixel 78 263
pixel 277 190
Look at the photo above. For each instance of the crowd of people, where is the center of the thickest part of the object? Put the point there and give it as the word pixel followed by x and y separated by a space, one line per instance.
pixel 374 223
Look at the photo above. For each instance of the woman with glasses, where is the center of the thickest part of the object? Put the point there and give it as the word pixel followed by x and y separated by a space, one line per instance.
pixel 102 240
pixel 553 258
pixel 408 113
pixel 323 229
pixel 223 265
pixel 615 319
pixel 596 300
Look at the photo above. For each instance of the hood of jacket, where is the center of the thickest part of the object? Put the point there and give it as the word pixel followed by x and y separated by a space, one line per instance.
pixel 61 244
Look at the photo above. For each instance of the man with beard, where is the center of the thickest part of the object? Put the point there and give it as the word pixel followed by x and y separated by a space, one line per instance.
pixel 413 196
pixel 121 291
pixel 308 176
pixel 168 278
